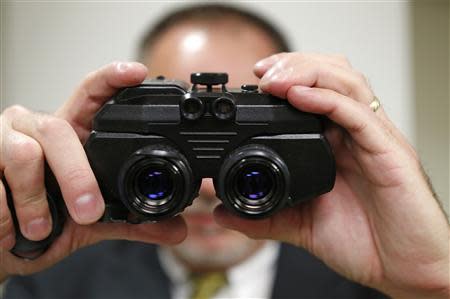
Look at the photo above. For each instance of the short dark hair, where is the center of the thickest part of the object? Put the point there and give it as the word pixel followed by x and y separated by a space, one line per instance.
pixel 211 12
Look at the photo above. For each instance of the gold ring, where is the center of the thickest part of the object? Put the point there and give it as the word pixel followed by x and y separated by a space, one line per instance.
pixel 375 104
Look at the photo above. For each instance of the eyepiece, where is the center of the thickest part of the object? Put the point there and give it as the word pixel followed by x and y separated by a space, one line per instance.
pixel 253 181
pixel 156 183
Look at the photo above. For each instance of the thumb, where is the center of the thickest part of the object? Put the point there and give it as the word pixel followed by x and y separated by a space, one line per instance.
pixel 169 232
pixel 291 225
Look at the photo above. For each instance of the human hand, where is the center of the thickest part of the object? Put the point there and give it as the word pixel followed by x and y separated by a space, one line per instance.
pixel 381 224
pixel 28 138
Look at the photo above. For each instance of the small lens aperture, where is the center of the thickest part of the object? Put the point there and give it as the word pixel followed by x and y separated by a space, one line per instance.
pixel 155 184
pixel 254 182
pixel 192 108
pixel 223 108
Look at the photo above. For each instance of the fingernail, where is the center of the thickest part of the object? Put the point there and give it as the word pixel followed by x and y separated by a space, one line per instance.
pixel 261 64
pixel 270 78
pixel 38 228
pixel 88 209
pixel 8 242
pixel 124 66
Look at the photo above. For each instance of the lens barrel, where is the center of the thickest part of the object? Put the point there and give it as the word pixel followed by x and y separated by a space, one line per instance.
pixel 253 181
pixel 223 108
pixel 156 182
pixel 192 108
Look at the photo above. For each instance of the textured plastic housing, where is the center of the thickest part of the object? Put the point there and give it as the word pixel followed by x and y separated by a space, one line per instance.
pixel 150 114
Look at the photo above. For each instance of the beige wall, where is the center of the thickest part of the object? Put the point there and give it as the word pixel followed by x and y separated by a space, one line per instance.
pixel 431 78
pixel 48 46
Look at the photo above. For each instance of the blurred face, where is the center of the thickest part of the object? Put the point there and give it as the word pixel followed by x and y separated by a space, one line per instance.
pixel 231 47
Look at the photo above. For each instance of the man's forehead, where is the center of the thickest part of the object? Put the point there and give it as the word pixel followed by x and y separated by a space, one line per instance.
pixel 192 48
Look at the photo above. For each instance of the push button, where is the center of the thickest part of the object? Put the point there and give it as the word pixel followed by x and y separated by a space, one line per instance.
pixel 249 88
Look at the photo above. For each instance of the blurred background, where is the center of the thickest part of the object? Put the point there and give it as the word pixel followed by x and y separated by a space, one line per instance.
pixel 47 47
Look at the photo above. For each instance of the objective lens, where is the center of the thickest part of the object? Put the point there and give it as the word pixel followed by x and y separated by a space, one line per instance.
pixel 254 182
pixel 192 108
pixel 154 184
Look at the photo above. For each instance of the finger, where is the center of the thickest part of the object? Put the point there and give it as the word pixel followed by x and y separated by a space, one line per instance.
pixel 286 69
pixel 313 73
pixel 74 237
pixel 96 89
pixel 357 118
pixel 7 235
pixel 170 231
pixel 273 227
pixel 262 66
pixel 24 172
pixel 67 159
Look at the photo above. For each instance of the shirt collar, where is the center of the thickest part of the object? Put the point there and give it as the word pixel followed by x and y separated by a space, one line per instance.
pixel 263 259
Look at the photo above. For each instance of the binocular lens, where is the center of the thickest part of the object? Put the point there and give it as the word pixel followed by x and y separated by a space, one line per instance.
pixel 154 184
pixel 254 182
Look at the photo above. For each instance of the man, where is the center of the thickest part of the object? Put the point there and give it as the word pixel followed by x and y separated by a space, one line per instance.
pixel 348 234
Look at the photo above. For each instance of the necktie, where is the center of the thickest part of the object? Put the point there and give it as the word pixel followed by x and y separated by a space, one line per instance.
pixel 205 286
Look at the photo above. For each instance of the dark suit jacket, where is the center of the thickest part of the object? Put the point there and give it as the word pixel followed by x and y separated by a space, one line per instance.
pixel 121 269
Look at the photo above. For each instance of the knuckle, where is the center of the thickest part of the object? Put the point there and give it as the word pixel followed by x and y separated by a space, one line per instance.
pixel 33 200
pixel 299 57
pixel 78 177
pixel 279 65
pixel 6 223
pixel 25 150
pixel 279 56
pixel 361 79
pixel 114 64
pixel 91 76
pixel 359 127
pixel 283 63
pixel 14 110
pixel 342 58
pixel 48 124
pixel 354 84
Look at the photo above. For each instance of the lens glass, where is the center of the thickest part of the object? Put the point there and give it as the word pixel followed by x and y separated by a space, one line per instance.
pixel 192 106
pixel 224 107
pixel 154 183
pixel 254 182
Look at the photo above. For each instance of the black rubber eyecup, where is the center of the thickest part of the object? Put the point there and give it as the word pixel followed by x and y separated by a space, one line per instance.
pixel 156 183
pixel 253 181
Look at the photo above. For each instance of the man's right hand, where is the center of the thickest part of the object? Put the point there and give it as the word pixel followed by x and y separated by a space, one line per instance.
pixel 28 140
